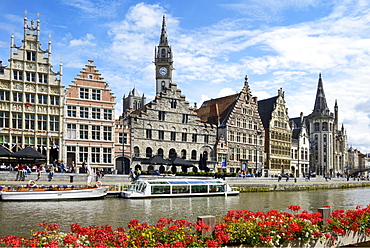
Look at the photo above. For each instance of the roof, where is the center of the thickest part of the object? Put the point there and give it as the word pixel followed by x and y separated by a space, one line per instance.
pixel 265 108
pixel 216 111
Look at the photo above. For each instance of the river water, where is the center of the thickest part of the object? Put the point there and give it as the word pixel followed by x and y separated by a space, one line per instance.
pixel 19 218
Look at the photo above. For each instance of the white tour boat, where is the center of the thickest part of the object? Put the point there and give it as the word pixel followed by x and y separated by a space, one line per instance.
pixel 54 193
pixel 177 188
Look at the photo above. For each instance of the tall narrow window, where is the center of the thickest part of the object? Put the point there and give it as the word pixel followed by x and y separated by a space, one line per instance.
pixel 54 123
pixel 95 154
pixel 84 131
pixel 173 103
pixel 185 118
pixel 95 132
pixel 71 131
pixel 107 133
pixel 149 133
pixel 29 121
pixel 83 154
pixel 161 115
pixel 17 120
pixel 107 155
pixel 42 122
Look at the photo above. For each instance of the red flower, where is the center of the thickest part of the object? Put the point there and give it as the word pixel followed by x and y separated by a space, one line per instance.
pixel 294 208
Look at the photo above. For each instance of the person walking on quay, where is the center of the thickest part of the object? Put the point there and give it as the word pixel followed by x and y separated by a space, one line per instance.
pixel 131 175
pixel 51 173
pixel 287 177
pixel 138 172
pixel 89 174
pixel 279 177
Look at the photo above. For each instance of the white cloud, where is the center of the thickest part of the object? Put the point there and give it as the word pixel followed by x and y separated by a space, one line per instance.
pixel 85 41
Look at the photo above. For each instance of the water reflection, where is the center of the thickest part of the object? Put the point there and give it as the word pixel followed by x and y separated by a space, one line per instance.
pixel 18 218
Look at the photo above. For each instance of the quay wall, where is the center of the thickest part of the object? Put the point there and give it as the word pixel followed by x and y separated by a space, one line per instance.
pixel 262 184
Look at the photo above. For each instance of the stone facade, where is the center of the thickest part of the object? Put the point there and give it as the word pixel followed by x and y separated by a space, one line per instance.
pixel 328 142
pixel 278 134
pixel 89 121
pixel 31 97
pixel 300 166
pixel 168 126
pixel 240 126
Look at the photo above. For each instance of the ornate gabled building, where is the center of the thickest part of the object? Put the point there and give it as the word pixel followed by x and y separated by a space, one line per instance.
pixel 31 97
pixel 328 142
pixel 278 134
pixel 239 130
pixel 168 126
pixel 300 146
pixel 89 121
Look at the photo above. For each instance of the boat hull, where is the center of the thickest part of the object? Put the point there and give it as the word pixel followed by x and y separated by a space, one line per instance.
pixel 67 194
pixel 134 195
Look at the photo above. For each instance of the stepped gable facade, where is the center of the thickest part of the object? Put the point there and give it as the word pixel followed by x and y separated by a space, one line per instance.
pixel 278 134
pixel 168 126
pixel 240 131
pixel 89 121
pixel 31 97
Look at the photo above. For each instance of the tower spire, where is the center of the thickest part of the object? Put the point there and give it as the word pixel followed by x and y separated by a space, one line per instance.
pixel 163 61
pixel 321 106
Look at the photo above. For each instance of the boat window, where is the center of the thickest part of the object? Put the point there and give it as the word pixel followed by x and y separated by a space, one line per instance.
pixel 159 189
pixel 199 188
pixel 217 188
pixel 158 182
pixel 174 182
pixel 132 186
pixel 180 189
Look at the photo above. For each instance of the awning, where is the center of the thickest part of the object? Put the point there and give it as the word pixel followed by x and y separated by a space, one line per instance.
pixel 181 162
pixel 28 152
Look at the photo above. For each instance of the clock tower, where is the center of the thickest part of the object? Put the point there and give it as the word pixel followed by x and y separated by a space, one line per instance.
pixel 163 62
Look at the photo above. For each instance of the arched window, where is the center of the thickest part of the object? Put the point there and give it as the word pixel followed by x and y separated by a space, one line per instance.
pixel 194 155
pixel 172 153
pixel 149 152
pixel 160 152
pixel 205 155
pixel 163 52
pixel 163 84
pixel 136 151
pixel 183 154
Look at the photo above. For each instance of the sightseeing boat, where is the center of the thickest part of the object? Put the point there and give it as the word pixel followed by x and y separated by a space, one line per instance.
pixel 34 192
pixel 177 188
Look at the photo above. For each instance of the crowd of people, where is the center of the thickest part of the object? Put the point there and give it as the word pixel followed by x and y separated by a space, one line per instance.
pixel 23 170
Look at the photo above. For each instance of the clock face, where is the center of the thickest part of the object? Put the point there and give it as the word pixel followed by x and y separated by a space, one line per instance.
pixel 163 71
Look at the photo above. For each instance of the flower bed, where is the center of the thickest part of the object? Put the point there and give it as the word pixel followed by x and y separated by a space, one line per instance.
pixel 272 229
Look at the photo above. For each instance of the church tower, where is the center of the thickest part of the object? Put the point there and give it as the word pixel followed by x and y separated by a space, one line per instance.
pixel 163 61
pixel 322 131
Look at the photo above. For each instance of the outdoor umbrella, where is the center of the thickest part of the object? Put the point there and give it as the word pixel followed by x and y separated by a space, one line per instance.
pixel 4 152
pixel 181 162
pixel 28 152
pixel 158 160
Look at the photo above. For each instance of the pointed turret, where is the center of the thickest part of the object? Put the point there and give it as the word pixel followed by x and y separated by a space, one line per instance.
pixel 163 40
pixel 321 107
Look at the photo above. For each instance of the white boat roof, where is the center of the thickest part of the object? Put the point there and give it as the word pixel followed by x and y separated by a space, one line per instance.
pixel 182 181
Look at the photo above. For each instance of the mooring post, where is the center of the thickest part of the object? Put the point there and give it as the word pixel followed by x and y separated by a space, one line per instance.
pixel 209 220
pixel 325 214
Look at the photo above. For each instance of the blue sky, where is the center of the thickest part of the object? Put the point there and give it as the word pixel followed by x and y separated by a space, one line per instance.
pixel 278 44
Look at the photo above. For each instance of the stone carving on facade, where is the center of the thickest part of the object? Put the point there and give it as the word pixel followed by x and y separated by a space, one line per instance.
pixel 30 87
pixel 54 90
pixel 4 106
pixel 41 109
pixel 18 86
pixel 18 65
pixel 17 106
pixel 4 85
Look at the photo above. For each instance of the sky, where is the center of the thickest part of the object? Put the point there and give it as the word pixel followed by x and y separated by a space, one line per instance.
pixel 277 44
